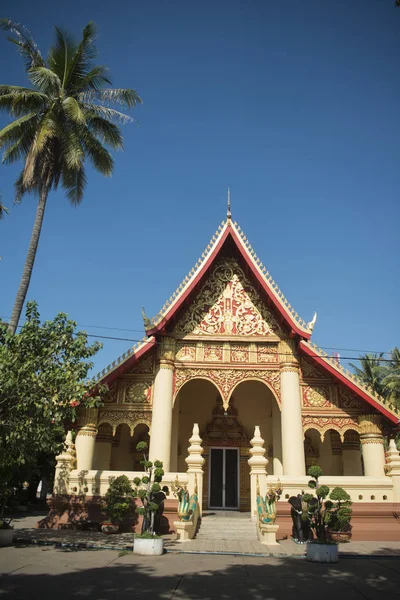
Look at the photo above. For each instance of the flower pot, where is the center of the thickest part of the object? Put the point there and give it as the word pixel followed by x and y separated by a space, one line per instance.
pixel 340 536
pixel 148 546
pixel 6 536
pixel 322 553
pixel 109 528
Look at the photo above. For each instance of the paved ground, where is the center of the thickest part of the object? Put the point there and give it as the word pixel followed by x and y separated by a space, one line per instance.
pixel 61 574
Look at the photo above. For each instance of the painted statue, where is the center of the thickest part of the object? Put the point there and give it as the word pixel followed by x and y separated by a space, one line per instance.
pixel 187 505
pixel 266 507
pixel 301 532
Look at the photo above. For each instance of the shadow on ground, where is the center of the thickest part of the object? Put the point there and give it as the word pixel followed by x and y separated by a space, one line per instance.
pixel 102 575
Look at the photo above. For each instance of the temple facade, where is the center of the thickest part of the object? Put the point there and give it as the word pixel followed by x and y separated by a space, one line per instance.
pixel 228 352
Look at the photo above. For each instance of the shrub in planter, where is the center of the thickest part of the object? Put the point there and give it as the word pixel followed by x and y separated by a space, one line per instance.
pixel 117 503
pixel 325 509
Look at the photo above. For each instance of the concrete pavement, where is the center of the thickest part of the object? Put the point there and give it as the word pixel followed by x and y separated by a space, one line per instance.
pixel 58 574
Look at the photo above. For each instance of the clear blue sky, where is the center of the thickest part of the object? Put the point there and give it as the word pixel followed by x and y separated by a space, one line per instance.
pixel 294 105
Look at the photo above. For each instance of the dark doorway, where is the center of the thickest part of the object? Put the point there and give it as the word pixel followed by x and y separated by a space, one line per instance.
pixel 224 478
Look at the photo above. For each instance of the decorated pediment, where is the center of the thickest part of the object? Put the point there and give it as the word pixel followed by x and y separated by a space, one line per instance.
pixel 228 305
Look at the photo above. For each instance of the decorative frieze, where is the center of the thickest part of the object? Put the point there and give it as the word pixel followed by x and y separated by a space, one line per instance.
pixel 323 423
pixel 138 392
pixel 132 418
pixel 316 397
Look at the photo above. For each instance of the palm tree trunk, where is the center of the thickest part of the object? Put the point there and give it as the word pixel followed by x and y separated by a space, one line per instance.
pixel 29 262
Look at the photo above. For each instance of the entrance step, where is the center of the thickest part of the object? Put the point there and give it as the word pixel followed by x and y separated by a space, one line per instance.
pixel 227 525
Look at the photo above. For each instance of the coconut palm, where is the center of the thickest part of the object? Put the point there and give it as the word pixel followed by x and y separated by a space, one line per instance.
pixel 65 118
pixel 391 380
pixel 3 209
pixel 371 372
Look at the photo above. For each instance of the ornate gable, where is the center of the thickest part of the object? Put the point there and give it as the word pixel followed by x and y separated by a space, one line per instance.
pixel 227 305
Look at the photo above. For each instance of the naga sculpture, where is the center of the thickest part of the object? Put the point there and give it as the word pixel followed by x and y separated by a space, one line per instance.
pixel 266 507
pixel 301 532
pixel 187 505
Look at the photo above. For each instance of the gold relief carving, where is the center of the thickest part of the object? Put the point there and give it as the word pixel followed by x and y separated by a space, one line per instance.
pixel 226 379
pixel 169 366
pixel 289 369
pixel 372 440
pixel 138 393
pixel 87 432
pixel 87 417
pixel 213 353
pixel 316 397
pixel 348 400
pixel 267 354
pixel 239 353
pixel 167 349
pixel 310 372
pixel 111 397
pixel 287 351
pixel 228 304
pixel 125 417
pixel 144 366
pixel 186 352
pixel 323 424
pixel 370 424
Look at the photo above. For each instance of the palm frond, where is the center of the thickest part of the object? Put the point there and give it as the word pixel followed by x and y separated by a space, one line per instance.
pixel 124 97
pixel 108 132
pixel 95 79
pixel 74 181
pixel 80 63
pixel 109 114
pixel 3 209
pixel 23 39
pixel 99 156
pixel 22 126
pixel 61 54
pixel 46 80
pixel 23 103
pixel 73 111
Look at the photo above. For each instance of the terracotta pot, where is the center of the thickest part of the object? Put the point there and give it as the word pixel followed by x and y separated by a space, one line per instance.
pixel 340 536
pixel 109 528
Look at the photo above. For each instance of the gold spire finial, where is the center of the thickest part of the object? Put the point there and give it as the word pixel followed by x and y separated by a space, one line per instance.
pixel 228 212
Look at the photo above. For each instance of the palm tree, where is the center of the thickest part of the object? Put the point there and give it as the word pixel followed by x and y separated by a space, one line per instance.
pixel 371 372
pixel 64 119
pixel 3 209
pixel 391 381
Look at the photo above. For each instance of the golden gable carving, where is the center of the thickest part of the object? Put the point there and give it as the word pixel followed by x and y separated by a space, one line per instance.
pixel 228 305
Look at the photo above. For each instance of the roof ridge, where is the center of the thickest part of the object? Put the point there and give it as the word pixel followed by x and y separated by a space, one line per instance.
pixel 107 370
pixel 349 375
pixel 269 280
pixel 186 280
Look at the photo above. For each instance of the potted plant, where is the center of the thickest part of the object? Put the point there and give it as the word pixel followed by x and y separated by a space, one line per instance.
pixel 148 490
pixel 323 510
pixel 117 503
pixel 339 528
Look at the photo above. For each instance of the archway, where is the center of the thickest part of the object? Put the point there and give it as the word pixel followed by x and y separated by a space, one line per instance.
pixel 257 405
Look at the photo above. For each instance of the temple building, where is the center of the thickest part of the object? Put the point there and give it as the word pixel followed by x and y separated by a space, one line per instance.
pixel 228 352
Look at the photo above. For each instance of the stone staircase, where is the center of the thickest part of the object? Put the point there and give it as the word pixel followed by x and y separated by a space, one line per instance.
pixel 226 525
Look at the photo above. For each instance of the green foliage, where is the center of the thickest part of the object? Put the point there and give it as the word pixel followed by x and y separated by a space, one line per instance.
pixel 148 494
pixel 66 118
pixel 326 510
pixel 146 535
pixel 315 471
pixel 118 500
pixel 383 377
pixel 142 446
pixel 43 381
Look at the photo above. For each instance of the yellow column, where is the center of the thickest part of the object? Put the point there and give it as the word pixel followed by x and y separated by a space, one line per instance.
pixel 372 448
pixel 277 465
pixel 161 422
pixel 292 425
pixel 86 438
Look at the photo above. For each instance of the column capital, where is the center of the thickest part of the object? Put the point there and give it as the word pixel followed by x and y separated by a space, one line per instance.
pixel 287 352
pixel 87 422
pixel 370 429
pixel 166 353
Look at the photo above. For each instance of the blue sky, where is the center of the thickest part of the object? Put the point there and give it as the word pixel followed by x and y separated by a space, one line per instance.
pixel 294 105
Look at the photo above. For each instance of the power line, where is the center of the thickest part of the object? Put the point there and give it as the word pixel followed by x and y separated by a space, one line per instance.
pixel 218 347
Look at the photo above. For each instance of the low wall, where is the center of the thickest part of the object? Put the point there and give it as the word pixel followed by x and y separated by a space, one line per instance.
pixel 64 510
pixel 371 521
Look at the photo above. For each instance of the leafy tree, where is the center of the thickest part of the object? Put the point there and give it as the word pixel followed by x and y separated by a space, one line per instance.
pixel 391 380
pixel 63 120
pixel 371 372
pixel 43 380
